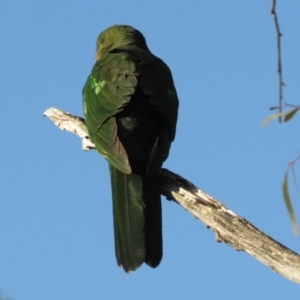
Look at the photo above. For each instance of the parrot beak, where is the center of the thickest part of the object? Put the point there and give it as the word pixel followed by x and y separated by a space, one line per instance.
pixel 98 54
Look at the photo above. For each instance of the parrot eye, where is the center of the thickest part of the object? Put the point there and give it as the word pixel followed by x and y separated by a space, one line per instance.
pixel 102 40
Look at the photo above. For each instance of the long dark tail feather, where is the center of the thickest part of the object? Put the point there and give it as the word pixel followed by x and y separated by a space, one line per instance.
pixel 137 219
pixel 153 215
pixel 129 220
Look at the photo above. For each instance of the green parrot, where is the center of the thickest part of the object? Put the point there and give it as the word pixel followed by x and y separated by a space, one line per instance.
pixel 130 105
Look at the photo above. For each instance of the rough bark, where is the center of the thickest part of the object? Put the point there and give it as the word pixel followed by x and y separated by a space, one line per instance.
pixel 228 227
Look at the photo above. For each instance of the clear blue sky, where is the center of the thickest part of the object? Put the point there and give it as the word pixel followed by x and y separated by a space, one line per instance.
pixel 55 217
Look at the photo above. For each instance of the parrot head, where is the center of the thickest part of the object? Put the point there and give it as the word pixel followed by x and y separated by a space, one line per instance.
pixel 117 36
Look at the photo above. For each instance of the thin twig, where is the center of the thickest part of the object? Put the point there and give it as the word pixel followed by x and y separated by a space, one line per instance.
pixel 279 67
pixel 291 165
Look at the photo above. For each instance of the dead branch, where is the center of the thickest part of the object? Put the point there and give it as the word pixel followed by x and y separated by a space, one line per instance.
pixel 228 227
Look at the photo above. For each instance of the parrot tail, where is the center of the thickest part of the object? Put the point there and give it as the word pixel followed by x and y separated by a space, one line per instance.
pixel 137 219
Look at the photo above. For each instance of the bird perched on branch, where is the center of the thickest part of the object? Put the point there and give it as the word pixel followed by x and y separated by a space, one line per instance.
pixel 130 105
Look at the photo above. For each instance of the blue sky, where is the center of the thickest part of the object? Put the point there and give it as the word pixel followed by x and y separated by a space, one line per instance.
pixel 55 217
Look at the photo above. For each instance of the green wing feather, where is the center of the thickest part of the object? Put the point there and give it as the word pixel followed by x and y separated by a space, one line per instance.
pixel 158 85
pixel 107 90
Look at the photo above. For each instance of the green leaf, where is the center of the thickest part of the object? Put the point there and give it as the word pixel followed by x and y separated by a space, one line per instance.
pixel 273 117
pixel 288 204
pixel 290 114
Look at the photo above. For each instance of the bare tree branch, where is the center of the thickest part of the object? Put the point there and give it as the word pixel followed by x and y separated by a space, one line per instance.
pixel 279 67
pixel 228 227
